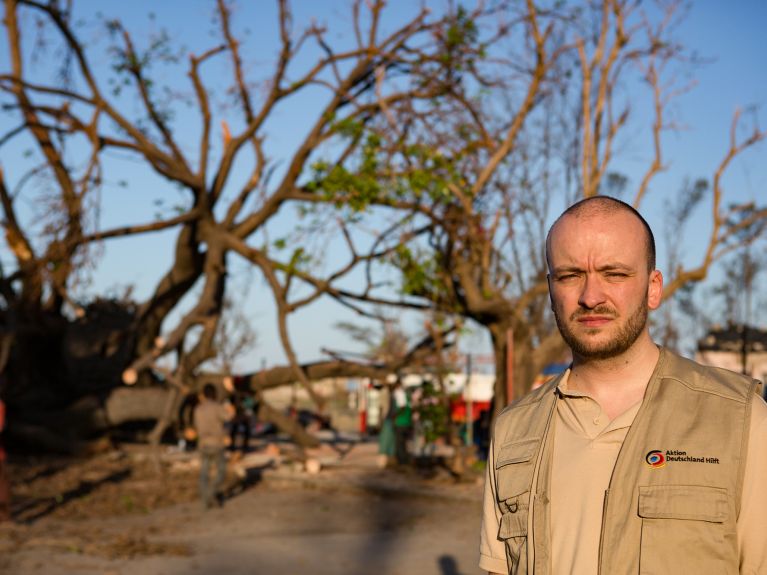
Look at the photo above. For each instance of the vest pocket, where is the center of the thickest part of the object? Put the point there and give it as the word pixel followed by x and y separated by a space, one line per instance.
pixel 514 467
pixel 513 531
pixel 683 530
pixel 514 464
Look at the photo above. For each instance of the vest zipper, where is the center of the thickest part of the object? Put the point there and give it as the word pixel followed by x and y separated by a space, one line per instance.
pixel 602 533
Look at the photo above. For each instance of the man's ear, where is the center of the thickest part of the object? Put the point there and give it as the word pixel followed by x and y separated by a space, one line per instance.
pixel 655 289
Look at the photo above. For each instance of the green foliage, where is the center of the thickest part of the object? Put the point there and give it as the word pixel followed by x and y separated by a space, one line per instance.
pixel 462 31
pixel 348 127
pixel 431 175
pixel 132 64
pixel 419 275
pixel 299 259
pixel 461 42
pixel 433 412
pixel 280 243
pixel 381 170
pixel 354 189
pixel 375 178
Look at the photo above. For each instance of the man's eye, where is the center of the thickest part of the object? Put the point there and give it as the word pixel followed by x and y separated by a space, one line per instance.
pixel 565 277
pixel 616 275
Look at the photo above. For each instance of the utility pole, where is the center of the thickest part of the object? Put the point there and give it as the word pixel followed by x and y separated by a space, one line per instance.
pixel 469 404
pixel 509 366
pixel 749 271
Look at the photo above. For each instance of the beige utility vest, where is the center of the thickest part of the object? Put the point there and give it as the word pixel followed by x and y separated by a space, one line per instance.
pixel 674 495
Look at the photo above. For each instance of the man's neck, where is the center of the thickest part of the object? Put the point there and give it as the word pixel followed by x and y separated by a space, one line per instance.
pixel 616 383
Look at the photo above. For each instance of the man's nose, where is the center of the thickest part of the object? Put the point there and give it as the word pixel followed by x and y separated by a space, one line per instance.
pixel 592 293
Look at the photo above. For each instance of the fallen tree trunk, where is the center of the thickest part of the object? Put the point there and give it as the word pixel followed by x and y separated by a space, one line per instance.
pixel 285 375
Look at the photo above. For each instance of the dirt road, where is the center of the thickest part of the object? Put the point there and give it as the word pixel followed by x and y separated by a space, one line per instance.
pixel 273 527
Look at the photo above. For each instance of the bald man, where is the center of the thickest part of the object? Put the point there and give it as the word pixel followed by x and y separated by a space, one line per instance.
pixel 635 460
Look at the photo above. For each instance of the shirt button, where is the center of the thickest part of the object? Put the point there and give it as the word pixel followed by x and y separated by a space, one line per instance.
pixel 596 421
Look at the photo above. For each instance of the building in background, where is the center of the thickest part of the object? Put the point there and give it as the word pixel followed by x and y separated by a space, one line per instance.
pixel 735 347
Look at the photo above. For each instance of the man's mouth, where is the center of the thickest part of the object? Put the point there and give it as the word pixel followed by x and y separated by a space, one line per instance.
pixel 594 320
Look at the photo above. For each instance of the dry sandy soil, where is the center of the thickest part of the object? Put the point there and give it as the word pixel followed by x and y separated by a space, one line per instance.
pixel 115 514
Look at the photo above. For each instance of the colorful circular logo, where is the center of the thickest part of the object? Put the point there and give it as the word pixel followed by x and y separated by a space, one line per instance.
pixel 655 459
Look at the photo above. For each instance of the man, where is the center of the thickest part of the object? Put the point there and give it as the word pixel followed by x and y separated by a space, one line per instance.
pixel 210 418
pixel 635 460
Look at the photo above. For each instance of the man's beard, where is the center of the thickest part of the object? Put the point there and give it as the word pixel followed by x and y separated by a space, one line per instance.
pixel 616 346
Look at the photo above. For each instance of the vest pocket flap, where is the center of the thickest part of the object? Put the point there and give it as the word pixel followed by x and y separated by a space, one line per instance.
pixel 516 452
pixel 693 502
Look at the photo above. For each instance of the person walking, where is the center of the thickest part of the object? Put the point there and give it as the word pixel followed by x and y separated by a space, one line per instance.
pixel 210 418
pixel 635 460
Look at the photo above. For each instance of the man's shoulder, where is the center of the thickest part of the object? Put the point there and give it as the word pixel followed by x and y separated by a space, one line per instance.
pixel 706 378
pixel 530 402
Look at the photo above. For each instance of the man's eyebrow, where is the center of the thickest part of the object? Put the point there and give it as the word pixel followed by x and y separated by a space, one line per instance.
pixel 564 269
pixel 615 266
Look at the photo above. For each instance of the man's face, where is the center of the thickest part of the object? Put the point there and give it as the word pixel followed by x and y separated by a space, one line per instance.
pixel 599 285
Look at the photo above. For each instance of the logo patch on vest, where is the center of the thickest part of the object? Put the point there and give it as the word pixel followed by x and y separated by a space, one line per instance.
pixel 657 458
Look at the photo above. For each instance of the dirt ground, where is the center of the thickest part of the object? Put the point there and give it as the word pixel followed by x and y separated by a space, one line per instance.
pixel 114 514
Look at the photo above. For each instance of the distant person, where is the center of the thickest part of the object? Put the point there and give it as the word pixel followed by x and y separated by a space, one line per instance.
pixel 481 434
pixel 635 460
pixel 403 422
pixel 210 418
pixel 5 482
pixel 245 408
pixel 386 440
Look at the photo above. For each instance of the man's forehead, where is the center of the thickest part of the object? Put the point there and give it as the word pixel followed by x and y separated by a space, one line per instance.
pixel 613 235
pixel 617 222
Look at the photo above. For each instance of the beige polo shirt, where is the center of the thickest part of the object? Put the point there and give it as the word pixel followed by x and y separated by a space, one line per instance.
pixel 586 446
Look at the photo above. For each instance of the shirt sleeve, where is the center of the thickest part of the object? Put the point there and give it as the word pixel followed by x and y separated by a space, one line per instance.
pixel 752 521
pixel 492 551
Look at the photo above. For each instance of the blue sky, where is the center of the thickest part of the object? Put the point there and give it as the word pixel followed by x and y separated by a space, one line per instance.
pixel 730 36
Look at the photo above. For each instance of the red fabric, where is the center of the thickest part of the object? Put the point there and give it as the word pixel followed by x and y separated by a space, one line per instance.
pixel 458 408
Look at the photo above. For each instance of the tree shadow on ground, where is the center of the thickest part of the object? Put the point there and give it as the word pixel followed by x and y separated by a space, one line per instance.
pixel 251 477
pixel 47 471
pixel 35 509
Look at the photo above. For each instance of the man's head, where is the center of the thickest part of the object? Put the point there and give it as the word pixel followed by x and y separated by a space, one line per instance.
pixel 209 391
pixel 602 277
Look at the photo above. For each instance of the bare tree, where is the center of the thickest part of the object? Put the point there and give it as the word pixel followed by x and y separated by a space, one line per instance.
pixel 532 119
pixel 437 148
pixel 132 109
pixel 235 337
